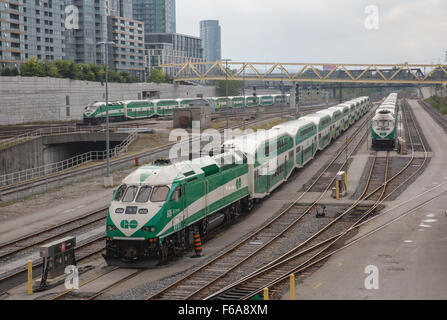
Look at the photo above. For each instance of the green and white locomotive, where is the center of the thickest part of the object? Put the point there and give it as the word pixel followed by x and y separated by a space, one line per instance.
pixel 383 124
pixel 156 208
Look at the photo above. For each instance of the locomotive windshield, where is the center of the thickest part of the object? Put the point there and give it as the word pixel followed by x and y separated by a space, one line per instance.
pixel 130 194
pixel 160 194
pixel 143 195
pixel 120 192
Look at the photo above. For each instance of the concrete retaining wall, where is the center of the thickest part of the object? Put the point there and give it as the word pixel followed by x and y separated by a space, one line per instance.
pixel 50 149
pixel 35 99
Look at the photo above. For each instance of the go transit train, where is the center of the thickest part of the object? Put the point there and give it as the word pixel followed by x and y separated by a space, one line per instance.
pixel 158 207
pixel 139 109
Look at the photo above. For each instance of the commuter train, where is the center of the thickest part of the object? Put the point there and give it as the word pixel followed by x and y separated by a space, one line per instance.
pixel 157 208
pixel 139 109
pixel 383 124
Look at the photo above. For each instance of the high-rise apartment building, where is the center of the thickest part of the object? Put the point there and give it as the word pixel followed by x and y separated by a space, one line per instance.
pixel 119 8
pixel 165 48
pixel 81 43
pixel 44 29
pixel 210 34
pixel 127 54
pixel 158 15
pixel 12 32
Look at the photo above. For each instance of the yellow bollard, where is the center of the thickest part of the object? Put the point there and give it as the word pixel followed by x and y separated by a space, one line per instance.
pixel 346 180
pixel 30 277
pixel 337 189
pixel 266 293
pixel 292 287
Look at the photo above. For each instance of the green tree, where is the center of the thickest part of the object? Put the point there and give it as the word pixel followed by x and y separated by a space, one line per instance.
pixel 49 68
pixel 157 76
pixel 127 77
pixel 81 71
pixel 32 68
pixel 234 87
pixel 65 68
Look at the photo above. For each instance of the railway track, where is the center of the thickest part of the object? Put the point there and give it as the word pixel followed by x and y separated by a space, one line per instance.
pixel 83 251
pixel 152 153
pixel 66 228
pixel 239 259
pixel 12 249
pixel 299 259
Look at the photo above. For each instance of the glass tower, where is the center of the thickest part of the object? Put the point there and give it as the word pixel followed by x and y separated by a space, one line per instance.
pixel 210 33
pixel 158 15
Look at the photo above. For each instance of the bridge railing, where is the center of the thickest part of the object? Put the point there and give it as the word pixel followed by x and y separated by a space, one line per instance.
pixel 76 161
pixel 400 73
pixel 45 132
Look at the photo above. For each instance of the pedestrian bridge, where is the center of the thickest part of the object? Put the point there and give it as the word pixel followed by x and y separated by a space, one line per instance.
pixel 404 73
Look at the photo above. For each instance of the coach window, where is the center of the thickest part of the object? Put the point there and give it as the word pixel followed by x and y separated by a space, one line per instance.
pixel 130 194
pixel 160 194
pixel 143 195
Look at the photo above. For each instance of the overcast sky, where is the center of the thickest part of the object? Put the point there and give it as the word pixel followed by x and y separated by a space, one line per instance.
pixel 326 31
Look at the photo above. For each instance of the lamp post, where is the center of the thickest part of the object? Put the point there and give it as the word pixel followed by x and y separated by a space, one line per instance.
pixel 226 87
pixel 243 94
pixel 108 180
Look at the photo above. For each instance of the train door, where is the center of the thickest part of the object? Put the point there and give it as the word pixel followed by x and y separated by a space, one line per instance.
pixel 175 208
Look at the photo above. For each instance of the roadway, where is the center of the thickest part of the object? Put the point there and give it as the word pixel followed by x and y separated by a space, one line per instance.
pixel 409 253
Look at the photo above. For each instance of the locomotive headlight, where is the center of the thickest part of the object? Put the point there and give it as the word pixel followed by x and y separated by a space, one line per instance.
pixel 143 211
pixel 152 229
pixel 119 210
pixel 111 228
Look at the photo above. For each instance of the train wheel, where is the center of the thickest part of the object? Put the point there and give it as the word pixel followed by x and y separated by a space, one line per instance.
pixel 247 206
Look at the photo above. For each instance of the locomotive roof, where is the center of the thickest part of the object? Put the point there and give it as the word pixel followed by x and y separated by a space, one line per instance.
pixel 153 174
pixel 382 116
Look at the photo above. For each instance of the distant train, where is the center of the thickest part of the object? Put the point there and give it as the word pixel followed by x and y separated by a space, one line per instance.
pixel 383 124
pixel 157 208
pixel 139 109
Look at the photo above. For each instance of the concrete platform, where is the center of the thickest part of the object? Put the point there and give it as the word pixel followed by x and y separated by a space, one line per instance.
pixel 409 253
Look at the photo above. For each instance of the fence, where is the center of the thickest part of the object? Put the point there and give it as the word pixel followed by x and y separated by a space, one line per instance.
pixel 45 132
pixel 51 168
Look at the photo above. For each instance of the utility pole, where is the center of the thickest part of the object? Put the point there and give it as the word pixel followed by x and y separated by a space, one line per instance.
pixel 243 94
pixel 227 105
pixel 108 179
